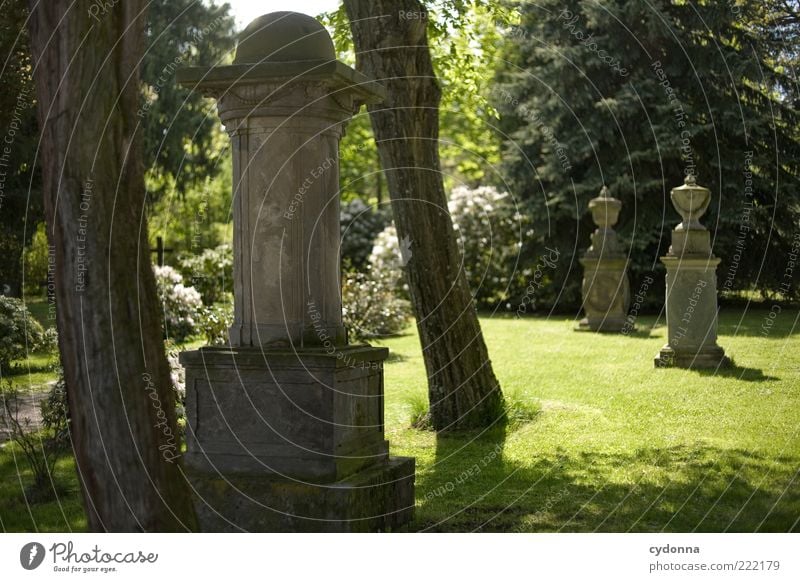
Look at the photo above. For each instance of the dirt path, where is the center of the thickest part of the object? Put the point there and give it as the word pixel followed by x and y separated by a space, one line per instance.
pixel 28 408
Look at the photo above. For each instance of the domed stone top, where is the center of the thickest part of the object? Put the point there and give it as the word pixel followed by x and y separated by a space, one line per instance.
pixel 283 37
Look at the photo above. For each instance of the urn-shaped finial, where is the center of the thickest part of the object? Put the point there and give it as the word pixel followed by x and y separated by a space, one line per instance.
pixel 605 209
pixel 691 201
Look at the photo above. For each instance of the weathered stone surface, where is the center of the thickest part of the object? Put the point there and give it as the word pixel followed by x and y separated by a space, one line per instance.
pixel 284 36
pixel 311 415
pixel 285 120
pixel 691 287
pixel 606 290
pixel 380 498
pixel 285 428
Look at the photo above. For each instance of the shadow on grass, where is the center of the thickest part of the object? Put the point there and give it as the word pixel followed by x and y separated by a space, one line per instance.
pixel 395 357
pixel 34 366
pixel 23 509
pixel 640 333
pixel 739 373
pixel 677 489
pixel 760 323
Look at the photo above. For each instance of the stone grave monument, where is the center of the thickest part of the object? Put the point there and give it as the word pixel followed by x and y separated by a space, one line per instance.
pixel 606 290
pixel 285 426
pixel 691 287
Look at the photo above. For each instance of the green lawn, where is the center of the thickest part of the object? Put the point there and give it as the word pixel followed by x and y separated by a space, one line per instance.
pixel 617 446
pixel 34 373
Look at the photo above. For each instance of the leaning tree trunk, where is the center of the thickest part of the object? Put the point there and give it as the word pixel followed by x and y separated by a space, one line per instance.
pixel 392 48
pixel 122 406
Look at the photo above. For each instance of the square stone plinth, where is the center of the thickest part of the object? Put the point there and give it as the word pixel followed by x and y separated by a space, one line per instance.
pixel 308 415
pixel 691 310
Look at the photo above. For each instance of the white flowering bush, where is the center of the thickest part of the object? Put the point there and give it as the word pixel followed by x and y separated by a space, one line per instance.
pixel 387 260
pixel 360 224
pixel 374 299
pixel 371 306
pixel 181 304
pixel 490 230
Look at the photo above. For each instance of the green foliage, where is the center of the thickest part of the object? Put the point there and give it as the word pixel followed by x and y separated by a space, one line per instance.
pixel 55 413
pixel 189 168
pixel 518 410
pixel 464 44
pixel 181 130
pixel 371 306
pixel 490 231
pixel 20 183
pixel 210 272
pixel 41 446
pixel 634 95
pixel 196 219
pixel 36 259
pixel 214 322
pixel 420 411
pixel 20 333
pixel 181 305
pixel 360 224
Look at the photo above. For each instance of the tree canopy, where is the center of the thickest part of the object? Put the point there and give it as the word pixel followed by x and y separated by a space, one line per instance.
pixel 634 96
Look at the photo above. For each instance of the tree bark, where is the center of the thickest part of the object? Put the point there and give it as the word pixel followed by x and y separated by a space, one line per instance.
pixel 392 46
pixel 122 405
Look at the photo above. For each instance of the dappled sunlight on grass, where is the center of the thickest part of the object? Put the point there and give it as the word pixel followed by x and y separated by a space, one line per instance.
pixel 603 440
pixel 618 445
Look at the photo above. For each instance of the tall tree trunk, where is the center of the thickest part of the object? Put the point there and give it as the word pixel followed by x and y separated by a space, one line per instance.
pixel 392 46
pixel 86 55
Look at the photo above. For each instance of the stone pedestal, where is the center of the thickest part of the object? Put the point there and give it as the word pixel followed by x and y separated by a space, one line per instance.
pixel 285 427
pixel 691 297
pixel 283 440
pixel 606 290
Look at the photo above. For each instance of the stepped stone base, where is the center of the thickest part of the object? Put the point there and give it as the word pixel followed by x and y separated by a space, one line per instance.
pixel 607 325
pixel 704 358
pixel 377 499
pixel 281 440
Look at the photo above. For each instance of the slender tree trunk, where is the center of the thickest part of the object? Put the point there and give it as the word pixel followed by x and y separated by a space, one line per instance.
pixel 392 46
pixel 121 402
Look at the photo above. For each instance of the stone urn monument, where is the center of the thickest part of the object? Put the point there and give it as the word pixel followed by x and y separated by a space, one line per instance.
pixel 691 287
pixel 606 290
pixel 285 425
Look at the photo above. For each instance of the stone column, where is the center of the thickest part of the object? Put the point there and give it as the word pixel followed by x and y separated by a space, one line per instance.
pixel 285 427
pixel 691 287
pixel 606 290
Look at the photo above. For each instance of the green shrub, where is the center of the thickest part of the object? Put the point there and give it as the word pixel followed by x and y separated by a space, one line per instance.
pixel 41 446
pixel 360 224
pixel 20 333
pixel 210 272
pixel 490 230
pixel 371 306
pixel 36 257
pixel 215 321
pixel 55 413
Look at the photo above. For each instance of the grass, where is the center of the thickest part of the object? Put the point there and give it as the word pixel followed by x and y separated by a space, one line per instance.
pixel 19 512
pixel 35 373
pixel 618 445
pixel 602 440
